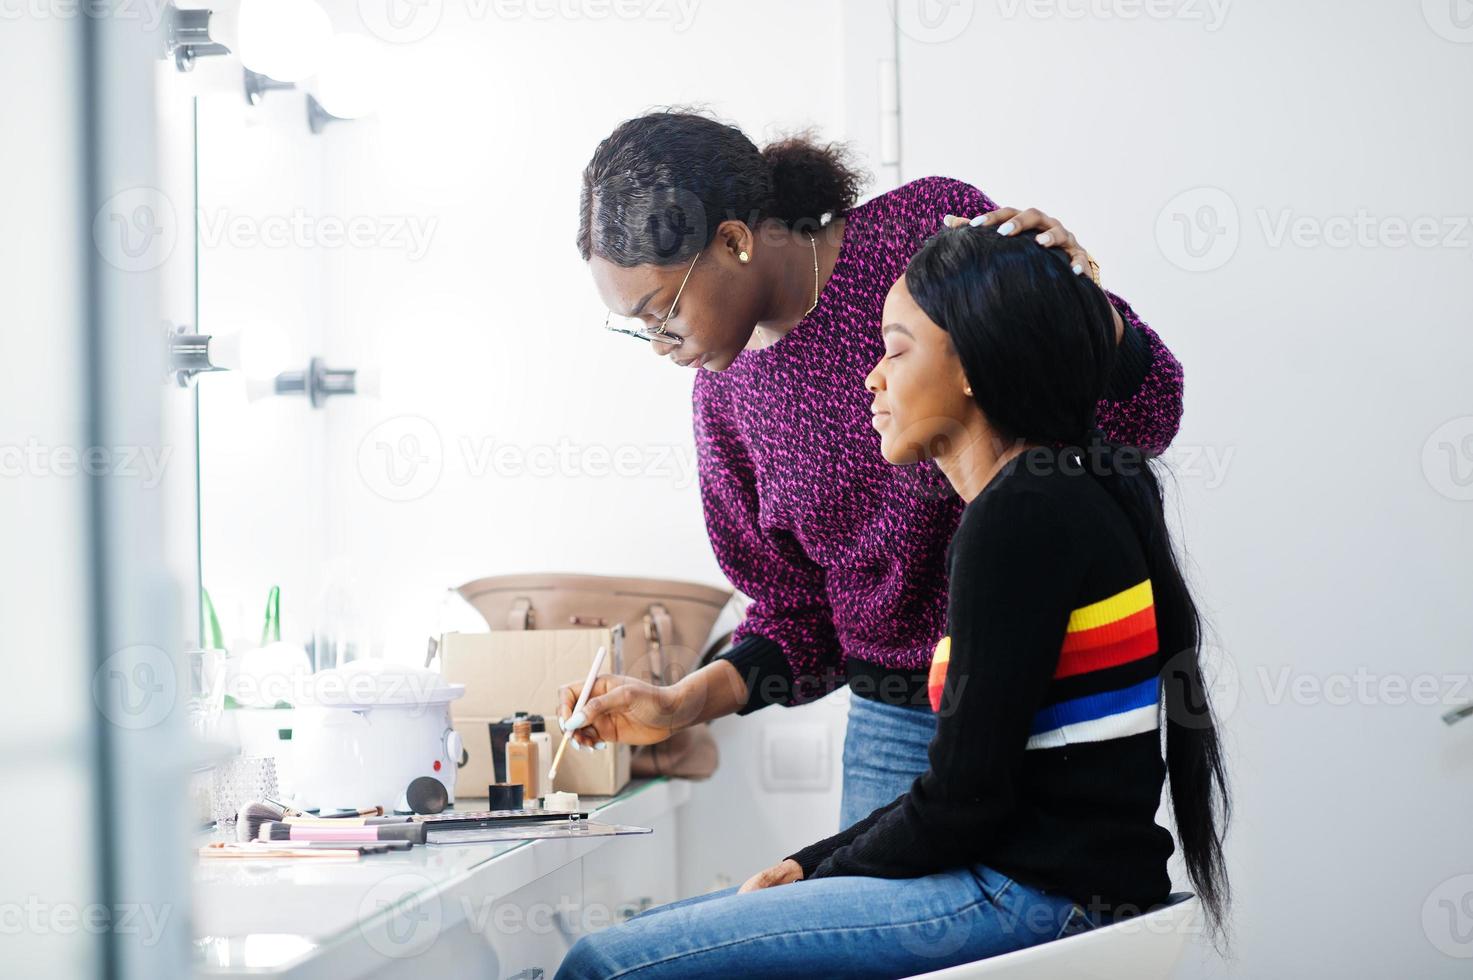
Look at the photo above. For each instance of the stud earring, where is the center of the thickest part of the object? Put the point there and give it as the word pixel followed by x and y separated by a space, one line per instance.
pixel 743 257
pixel 967 391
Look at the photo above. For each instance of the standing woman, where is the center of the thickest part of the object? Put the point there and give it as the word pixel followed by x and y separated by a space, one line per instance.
pixel 756 266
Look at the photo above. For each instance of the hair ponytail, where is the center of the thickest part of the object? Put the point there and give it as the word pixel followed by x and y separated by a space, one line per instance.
pixel 660 185
pixel 1196 770
pixel 1037 344
pixel 810 180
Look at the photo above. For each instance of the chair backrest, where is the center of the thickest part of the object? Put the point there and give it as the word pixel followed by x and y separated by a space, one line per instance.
pixel 1145 947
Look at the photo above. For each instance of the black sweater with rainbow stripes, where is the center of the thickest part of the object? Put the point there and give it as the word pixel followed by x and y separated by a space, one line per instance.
pixel 1046 764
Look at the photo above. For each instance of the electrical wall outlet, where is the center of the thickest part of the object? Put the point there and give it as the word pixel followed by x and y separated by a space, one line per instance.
pixel 797 758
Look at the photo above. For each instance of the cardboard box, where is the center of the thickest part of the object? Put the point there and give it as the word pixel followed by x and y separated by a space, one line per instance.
pixel 506 671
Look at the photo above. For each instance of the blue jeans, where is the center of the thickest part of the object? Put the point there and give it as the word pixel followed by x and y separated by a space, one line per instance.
pixel 884 752
pixel 830 927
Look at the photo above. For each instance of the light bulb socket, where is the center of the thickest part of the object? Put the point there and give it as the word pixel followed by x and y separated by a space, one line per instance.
pixel 189 37
pixel 319 118
pixel 319 382
pixel 189 355
pixel 257 85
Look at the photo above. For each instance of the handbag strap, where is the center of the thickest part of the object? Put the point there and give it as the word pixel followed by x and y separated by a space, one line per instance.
pixel 657 628
pixel 520 617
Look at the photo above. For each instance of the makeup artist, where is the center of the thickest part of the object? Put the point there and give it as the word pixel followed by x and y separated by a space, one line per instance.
pixel 756 267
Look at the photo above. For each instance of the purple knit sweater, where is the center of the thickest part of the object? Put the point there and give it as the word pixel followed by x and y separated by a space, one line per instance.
pixel 842 553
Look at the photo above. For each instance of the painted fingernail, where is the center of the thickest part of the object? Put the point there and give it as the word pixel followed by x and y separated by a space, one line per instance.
pixel 601 745
pixel 1078 269
pixel 946 219
pixel 1044 239
pixel 577 745
pixel 578 720
pixel 979 221
pixel 1007 229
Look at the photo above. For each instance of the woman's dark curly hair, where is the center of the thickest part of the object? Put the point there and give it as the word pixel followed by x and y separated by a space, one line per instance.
pixel 660 184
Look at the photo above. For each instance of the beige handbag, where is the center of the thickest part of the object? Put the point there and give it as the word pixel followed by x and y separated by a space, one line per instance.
pixel 666 625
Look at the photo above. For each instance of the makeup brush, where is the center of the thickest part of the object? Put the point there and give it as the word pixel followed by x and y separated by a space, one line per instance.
pixel 598 661
pixel 273 830
pixel 253 814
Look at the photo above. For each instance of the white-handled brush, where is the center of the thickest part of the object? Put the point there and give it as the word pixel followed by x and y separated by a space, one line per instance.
pixel 593 668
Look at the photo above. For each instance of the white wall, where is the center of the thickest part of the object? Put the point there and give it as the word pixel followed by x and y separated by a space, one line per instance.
pixel 1324 459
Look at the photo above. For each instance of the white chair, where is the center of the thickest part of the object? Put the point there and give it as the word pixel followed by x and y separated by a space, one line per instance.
pixel 1145 947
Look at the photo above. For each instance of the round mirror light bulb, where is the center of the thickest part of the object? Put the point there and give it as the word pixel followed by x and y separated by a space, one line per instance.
pixel 350 82
pixel 282 39
pixel 260 352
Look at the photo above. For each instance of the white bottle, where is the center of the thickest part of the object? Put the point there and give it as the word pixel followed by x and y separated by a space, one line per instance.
pixel 544 755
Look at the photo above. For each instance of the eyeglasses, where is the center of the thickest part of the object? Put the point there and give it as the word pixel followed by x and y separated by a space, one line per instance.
pixel 634 327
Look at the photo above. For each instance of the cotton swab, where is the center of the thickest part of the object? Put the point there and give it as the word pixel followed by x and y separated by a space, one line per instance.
pixel 598 662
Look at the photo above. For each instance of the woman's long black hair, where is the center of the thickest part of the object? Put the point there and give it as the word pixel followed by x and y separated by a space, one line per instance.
pixel 660 184
pixel 1037 344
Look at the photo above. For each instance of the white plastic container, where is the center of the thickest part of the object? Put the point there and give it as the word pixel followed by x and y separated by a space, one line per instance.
pixel 368 729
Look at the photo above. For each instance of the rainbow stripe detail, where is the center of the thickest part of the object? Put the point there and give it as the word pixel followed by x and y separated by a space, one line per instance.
pixel 939 659
pixel 1117 630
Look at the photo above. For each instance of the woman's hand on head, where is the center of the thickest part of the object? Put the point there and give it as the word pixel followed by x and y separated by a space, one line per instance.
pixel 1048 231
pixel 620 709
pixel 784 872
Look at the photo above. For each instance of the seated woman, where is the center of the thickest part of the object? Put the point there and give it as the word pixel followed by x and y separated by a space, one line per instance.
pixel 1072 639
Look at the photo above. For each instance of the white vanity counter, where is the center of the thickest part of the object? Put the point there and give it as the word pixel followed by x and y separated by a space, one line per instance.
pixel 475 910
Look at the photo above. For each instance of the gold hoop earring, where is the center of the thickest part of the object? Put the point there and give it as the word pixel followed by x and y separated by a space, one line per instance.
pixel 743 257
